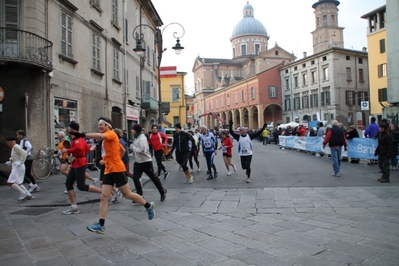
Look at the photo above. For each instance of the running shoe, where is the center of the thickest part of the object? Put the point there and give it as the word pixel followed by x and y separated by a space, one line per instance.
pixel 71 210
pixel 29 197
pixel 151 211
pixel 165 175
pixel 34 188
pixel 96 182
pixel 163 196
pixel 23 196
pixel 190 180
pixel 235 168
pixel 248 180
pixel 228 173
pixel 97 228
pixel 210 177
pixel 216 175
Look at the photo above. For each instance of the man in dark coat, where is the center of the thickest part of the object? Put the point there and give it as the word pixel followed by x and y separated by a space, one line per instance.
pixel 384 152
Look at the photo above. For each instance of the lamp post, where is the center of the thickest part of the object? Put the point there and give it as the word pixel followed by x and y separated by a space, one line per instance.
pixel 140 51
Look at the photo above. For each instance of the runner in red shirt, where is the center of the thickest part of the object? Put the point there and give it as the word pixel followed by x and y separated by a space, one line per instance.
pixel 78 149
pixel 158 141
pixel 226 146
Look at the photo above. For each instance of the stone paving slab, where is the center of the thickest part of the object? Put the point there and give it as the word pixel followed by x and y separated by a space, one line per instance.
pixel 210 227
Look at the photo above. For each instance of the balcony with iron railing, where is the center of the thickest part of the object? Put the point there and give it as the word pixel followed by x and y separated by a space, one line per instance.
pixel 27 48
pixel 149 103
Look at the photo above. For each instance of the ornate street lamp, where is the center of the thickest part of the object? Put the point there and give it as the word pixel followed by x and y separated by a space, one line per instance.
pixel 140 51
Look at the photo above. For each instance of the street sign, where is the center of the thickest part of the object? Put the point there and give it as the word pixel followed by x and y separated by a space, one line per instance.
pixel 1 94
pixel 364 106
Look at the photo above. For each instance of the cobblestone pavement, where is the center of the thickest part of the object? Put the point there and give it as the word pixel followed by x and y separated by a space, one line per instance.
pixel 353 225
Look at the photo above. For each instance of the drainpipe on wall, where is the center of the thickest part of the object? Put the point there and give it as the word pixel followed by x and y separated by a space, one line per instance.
pixel 125 73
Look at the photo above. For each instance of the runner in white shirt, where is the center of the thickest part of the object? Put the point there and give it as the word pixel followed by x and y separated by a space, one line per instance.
pixel 245 146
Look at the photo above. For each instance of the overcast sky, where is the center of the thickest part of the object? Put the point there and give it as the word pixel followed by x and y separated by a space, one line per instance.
pixel 209 24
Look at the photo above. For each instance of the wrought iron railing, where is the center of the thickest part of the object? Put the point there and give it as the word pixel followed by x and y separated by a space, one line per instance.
pixel 23 46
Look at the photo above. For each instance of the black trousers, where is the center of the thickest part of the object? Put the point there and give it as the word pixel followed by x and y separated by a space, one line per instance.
pixel 383 164
pixel 148 169
pixel 28 171
pixel 158 157
pixel 246 164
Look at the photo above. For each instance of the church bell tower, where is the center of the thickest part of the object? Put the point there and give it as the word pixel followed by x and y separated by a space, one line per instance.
pixel 327 33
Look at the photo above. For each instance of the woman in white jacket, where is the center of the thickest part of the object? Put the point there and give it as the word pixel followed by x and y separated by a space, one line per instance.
pixel 17 160
pixel 143 162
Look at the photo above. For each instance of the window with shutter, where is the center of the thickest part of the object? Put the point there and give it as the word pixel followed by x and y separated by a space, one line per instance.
pixel 9 19
pixel 66 35
pixel 96 52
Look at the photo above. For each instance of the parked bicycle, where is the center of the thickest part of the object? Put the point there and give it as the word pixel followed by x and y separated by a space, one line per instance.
pixel 47 164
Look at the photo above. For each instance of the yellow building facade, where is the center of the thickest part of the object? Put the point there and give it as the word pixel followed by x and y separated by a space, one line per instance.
pixel 377 54
pixel 172 89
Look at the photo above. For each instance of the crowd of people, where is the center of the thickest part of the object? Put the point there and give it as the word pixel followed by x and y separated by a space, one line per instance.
pixel 114 163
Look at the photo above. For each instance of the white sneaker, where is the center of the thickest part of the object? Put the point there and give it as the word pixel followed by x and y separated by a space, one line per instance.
pixel 23 196
pixel 96 182
pixel 235 168
pixel 228 173
pixel 34 188
pixel 71 210
pixel 199 169
pixel 191 180
pixel 248 180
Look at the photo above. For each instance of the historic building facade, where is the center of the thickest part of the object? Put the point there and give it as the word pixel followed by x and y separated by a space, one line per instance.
pixel 330 84
pixel 382 39
pixel 73 60
pixel 376 42
pixel 246 88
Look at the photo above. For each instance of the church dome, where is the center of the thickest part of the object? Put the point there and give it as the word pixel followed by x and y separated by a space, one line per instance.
pixel 248 25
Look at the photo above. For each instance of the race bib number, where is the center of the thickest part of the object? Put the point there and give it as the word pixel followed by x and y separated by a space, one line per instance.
pixel 245 150
pixel 207 144
pixel 224 149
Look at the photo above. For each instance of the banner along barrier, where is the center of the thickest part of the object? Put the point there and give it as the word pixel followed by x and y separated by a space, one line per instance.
pixel 362 148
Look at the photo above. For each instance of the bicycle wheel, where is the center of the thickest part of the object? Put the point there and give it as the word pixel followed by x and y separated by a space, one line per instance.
pixel 41 169
pixel 56 166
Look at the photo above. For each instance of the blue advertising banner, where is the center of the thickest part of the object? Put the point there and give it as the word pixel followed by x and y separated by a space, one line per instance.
pixel 314 144
pixel 362 148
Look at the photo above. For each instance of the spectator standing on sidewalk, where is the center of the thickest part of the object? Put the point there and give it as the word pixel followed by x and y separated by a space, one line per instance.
pixel 336 139
pixel 16 178
pixel 112 152
pixel 143 162
pixel 395 141
pixel 265 136
pixel 351 134
pixel 384 152
pixel 372 132
pixel 180 144
pixel 158 140
pixel 245 146
pixel 27 146
pixel 209 148
pixel 77 172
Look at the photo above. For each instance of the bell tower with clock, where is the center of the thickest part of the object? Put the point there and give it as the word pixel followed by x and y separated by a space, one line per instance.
pixel 327 33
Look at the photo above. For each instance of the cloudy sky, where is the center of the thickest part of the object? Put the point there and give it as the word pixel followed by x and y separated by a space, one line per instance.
pixel 209 24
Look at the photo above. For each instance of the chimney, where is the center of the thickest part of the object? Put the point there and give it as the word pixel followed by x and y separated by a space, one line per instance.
pixel 364 49
pixel 304 54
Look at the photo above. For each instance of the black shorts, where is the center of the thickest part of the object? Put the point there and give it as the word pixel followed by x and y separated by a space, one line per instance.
pixel 118 179
pixel 227 155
